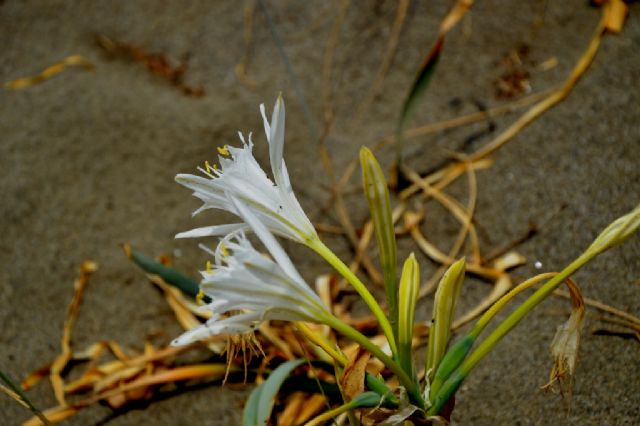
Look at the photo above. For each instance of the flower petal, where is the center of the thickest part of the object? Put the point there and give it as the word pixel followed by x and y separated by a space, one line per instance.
pixel 213 231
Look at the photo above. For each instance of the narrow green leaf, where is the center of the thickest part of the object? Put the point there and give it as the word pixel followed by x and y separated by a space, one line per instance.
pixel 409 289
pixel 175 278
pixel 418 88
pixel 250 413
pixel 377 193
pixel 366 399
pixel 450 361
pixel 444 307
pixel 23 396
pixel 260 403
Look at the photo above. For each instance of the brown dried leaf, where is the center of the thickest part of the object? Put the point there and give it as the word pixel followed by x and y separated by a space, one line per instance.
pixel 565 344
pixel 352 380
pixel 86 269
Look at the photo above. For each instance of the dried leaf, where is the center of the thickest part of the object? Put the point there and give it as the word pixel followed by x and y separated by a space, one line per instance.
pixel 58 67
pixel 54 415
pixel 615 15
pixel 311 407
pixel 565 344
pixel 86 269
pixel 352 380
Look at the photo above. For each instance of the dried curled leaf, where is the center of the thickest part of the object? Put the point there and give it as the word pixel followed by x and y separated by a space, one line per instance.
pixel 352 380
pixel 565 344
pixel 47 73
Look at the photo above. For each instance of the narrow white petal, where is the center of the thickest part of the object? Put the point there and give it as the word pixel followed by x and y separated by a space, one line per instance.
pixel 267 128
pixel 276 140
pixel 267 239
pixel 213 231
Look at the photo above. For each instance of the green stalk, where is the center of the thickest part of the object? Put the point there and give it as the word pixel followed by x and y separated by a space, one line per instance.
pixel 366 399
pixel 450 386
pixel 324 251
pixel 484 320
pixel 405 380
pixel 616 233
pixel 516 316
pixel 340 360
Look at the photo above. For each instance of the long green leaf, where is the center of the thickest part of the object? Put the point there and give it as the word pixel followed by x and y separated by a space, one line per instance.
pixel 377 193
pixel 175 278
pixel 23 396
pixel 418 88
pixel 409 288
pixel 260 403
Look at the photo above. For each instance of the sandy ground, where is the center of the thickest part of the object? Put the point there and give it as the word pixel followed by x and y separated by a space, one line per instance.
pixel 87 162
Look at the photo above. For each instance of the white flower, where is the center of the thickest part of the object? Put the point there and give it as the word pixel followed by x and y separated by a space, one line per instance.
pixel 241 176
pixel 247 288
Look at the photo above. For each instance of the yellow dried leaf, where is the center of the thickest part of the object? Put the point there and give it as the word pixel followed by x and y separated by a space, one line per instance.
pixel 58 67
pixel 311 407
pixel 54 415
pixel 615 15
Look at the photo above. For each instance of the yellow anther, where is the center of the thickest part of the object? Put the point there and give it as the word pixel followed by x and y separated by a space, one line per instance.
pixel 200 297
pixel 209 268
pixel 224 150
pixel 224 250
pixel 208 167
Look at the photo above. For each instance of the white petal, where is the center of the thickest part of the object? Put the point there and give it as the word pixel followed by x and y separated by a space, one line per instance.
pixel 267 128
pixel 267 239
pixel 213 231
pixel 276 140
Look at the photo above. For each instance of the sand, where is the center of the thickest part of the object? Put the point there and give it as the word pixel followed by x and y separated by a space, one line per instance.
pixel 87 161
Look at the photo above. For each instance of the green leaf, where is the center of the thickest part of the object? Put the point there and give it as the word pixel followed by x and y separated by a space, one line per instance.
pixel 409 289
pixel 419 85
pixel 377 193
pixel 444 307
pixel 260 403
pixel 23 398
pixel 177 279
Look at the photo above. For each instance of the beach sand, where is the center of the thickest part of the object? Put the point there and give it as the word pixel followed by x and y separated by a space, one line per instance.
pixel 87 161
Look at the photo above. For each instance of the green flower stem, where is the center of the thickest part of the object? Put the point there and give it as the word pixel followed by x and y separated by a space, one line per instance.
pixel 324 251
pixel 615 233
pixel 458 352
pixel 319 340
pixel 366 399
pixel 411 386
pixel 451 385
pixel 375 384
pixel 500 303
pixel 514 318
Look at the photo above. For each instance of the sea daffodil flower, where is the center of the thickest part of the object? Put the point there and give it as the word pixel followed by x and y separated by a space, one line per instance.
pixel 240 176
pixel 247 288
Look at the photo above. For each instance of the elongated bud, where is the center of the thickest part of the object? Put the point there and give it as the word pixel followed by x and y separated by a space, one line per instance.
pixel 617 232
pixel 377 193
pixel 408 297
pixel 444 307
